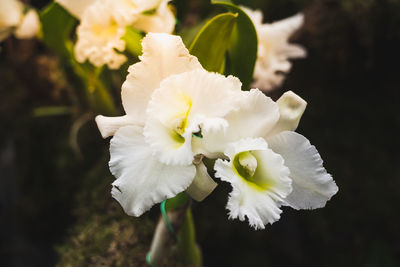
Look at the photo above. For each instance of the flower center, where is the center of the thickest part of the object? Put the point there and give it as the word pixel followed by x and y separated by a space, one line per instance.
pixel 245 165
pixel 107 32
pixel 179 122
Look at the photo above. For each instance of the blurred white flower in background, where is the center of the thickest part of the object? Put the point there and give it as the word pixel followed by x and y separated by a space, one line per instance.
pixel 13 20
pixel 99 36
pixel 274 50
pixel 103 24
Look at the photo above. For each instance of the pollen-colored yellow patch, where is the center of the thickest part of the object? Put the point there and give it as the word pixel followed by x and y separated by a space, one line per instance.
pixel 105 32
pixel 245 166
pixel 179 121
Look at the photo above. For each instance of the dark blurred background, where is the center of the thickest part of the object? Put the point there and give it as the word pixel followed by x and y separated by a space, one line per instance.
pixel 55 205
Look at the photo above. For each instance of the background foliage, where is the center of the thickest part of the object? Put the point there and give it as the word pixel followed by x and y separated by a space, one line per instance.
pixel 55 205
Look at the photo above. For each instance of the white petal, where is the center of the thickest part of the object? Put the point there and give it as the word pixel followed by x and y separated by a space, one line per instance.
pixel 289 25
pixel 29 26
pixel 142 181
pixel 109 125
pixel 312 185
pixel 162 21
pixel 184 104
pixel 256 115
pixel 76 7
pixel 291 108
pixel 256 16
pixel 10 14
pixel 163 56
pixel 259 201
pixel 202 185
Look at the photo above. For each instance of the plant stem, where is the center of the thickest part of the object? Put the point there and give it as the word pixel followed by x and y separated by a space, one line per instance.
pixel 163 238
pixel 181 220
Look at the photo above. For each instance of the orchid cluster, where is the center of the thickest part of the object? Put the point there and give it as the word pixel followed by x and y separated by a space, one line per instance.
pixel 177 113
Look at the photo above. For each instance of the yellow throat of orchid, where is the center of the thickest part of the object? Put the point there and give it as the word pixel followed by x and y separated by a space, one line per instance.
pixel 245 165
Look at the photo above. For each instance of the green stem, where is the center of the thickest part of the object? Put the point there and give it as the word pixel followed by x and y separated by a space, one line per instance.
pixel 187 247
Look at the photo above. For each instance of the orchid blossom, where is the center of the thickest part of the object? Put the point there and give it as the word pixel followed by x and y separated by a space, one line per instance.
pixel 269 165
pixel 103 24
pixel 274 51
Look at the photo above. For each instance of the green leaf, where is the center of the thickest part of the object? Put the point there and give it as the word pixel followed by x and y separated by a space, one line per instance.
pixel 52 111
pixel 188 34
pixel 222 1
pixel 57 25
pixel 97 93
pixel 212 42
pixel 133 39
pixel 243 46
pixel 188 249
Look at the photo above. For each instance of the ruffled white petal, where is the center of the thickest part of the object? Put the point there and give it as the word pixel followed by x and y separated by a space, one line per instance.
pixel 187 103
pixel 142 181
pixel 274 51
pixel 163 20
pixel 256 16
pixel 76 7
pixel 99 36
pixel 29 26
pixel 256 115
pixel 163 56
pixel 312 185
pixel 168 146
pixel 291 108
pixel 260 200
pixel 109 125
pixel 202 185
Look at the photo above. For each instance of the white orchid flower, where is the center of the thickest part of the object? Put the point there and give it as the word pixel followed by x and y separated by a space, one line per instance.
pixel 260 181
pixel 274 51
pixel 103 24
pixel 167 97
pixel 13 20
pixel 282 168
pixel 99 36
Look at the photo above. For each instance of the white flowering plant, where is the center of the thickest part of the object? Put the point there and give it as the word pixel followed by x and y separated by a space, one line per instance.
pixel 195 109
